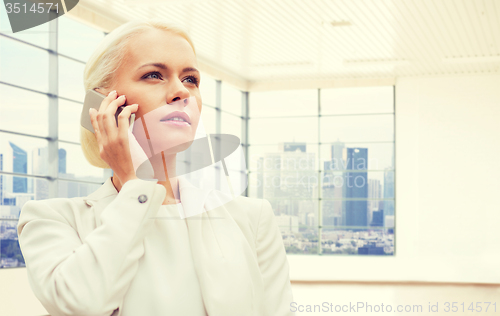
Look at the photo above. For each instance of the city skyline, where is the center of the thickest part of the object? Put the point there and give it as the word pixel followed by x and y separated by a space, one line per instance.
pixel 15 191
pixel 345 206
pixel 296 216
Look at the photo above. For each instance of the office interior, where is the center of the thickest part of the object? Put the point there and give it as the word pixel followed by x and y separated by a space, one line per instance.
pixel 370 126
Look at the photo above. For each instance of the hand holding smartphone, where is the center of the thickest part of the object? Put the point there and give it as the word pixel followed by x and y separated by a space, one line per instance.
pixel 112 132
pixel 93 99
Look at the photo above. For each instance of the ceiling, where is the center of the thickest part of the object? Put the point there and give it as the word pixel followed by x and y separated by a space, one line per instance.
pixel 263 43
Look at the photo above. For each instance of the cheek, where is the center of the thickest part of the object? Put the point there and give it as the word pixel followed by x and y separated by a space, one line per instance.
pixel 199 101
pixel 197 116
pixel 144 107
pixel 196 110
pixel 195 121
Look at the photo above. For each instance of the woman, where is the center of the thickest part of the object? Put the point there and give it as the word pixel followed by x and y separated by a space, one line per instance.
pixel 124 250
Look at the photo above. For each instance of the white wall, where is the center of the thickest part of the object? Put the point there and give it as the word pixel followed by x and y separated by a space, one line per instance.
pixel 16 297
pixel 447 188
pixel 416 299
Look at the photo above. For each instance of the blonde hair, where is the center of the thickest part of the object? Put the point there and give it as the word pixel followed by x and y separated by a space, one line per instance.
pixel 103 63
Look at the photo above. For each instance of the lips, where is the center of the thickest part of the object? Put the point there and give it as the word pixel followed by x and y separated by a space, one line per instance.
pixel 178 114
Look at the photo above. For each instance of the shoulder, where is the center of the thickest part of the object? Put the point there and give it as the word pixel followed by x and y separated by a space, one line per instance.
pixel 264 218
pixel 257 209
pixel 71 211
pixel 253 206
pixel 57 209
pixel 62 206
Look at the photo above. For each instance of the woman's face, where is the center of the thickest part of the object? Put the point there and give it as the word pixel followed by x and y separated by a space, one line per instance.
pixel 160 68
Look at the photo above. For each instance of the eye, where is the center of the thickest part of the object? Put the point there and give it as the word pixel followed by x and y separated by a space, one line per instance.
pixel 192 80
pixel 152 75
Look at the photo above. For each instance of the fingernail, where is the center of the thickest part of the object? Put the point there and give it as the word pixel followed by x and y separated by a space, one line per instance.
pixel 112 92
pixel 121 97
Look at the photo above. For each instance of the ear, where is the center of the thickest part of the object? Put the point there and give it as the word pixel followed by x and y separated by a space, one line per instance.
pixel 102 90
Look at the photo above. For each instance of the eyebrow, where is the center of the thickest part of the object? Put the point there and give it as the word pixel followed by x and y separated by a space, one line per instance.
pixel 163 66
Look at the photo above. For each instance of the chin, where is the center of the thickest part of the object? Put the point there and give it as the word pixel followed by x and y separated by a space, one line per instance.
pixel 174 144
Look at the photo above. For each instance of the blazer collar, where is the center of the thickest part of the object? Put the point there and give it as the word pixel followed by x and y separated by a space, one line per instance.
pixel 105 190
pixel 192 197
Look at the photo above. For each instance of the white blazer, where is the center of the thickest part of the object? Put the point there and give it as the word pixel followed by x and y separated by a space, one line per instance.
pixel 83 254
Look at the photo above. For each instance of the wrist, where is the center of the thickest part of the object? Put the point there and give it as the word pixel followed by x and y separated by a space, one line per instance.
pixel 119 181
pixel 125 174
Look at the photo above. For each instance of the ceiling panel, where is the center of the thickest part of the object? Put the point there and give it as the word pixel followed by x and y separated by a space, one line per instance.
pixel 269 40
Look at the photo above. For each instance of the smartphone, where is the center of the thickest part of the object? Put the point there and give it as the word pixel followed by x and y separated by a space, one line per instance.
pixel 93 99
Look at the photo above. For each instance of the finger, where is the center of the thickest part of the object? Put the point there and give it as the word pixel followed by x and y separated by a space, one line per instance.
pixel 112 95
pixel 93 118
pixel 102 109
pixel 124 116
pixel 109 119
pixel 103 137
pixel 95 125
pixel 115 103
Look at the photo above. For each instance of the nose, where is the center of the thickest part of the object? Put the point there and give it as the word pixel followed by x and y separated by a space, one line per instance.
pixel 177 92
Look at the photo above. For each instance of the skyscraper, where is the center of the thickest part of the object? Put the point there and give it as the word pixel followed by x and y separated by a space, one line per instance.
pixel 19 165
pixel 356 186
pixel 378 218
pixel 62 160
pixel 332 209
pixel 389 192
pixel 374 194
pixel 289 181
pixel 40 161
pixel 1 179
pixel 327 206
pixel 337 155
pixel 294 147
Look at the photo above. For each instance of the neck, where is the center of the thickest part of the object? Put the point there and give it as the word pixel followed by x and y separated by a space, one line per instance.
pixel 161 165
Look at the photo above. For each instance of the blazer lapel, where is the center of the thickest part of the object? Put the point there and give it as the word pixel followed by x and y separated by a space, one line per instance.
pixel 229 275
pixel 100 198
pixel 192 198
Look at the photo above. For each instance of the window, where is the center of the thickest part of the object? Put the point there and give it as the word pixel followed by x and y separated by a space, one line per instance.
pixel 30 104
pixel 325 160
